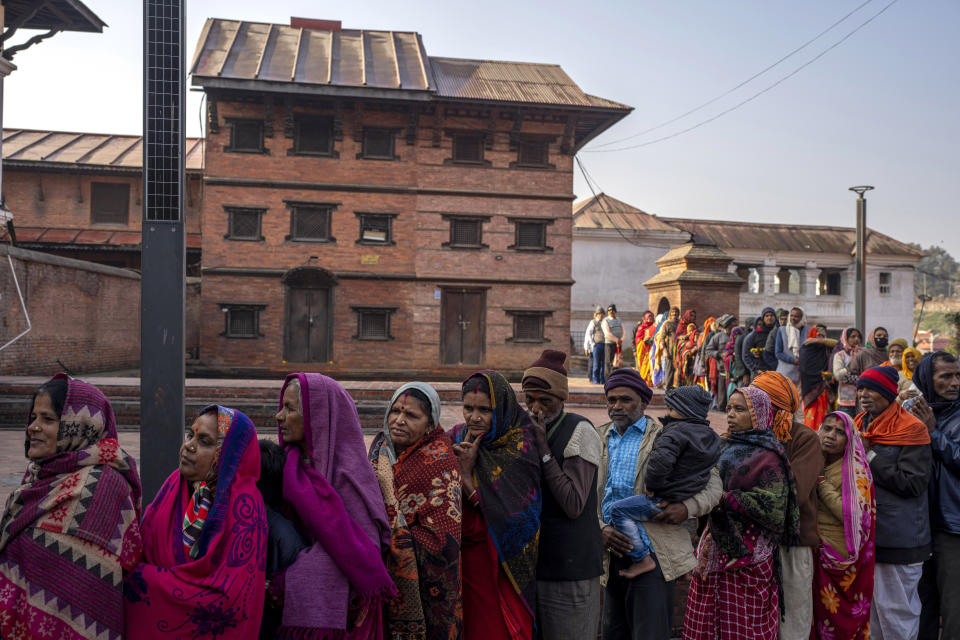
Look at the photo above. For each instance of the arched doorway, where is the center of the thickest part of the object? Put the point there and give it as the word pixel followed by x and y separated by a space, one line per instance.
pixel 308 328
pixel 663 306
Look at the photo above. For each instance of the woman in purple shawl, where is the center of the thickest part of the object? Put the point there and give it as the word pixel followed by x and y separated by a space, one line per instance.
pixel 336 588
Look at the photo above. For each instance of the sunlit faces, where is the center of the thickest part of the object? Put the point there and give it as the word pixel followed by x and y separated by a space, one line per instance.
pixel 290 416
pixel 833 438
pixel 199 448
pixel 43 429
pixel 910 360
pixel 477 413
pixel 738 413
pixel 544 405
pixel 624 406
pixel 408 421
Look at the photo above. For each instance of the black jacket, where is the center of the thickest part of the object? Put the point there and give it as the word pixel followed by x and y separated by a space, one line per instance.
pixel 901 474
pixel 681 459
pixel 945 480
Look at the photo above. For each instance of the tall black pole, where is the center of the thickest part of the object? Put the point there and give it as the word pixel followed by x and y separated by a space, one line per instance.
pixel 163 284
pixel 860 302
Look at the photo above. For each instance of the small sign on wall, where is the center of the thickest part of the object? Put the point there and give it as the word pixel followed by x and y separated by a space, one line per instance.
pixel 436 294
pixel 369 258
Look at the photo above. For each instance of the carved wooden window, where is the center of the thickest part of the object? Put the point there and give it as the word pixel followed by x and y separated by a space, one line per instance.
pixel 378 144
pixel 109 202
pixel 313 135
pixel 466 232
pixel 528 325
pixel 311 222
pixel 244 223
pixel 241 320
pixel 468 147
pixel 533 153
pixel 246 136
pixel 530 235
pixel 373 323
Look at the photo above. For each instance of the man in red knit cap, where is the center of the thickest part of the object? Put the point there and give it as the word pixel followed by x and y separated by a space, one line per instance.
pixel 570 560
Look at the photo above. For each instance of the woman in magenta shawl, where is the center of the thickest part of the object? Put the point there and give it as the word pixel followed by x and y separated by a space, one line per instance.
pixel 337 587
pixel 71 528
pixel 204 540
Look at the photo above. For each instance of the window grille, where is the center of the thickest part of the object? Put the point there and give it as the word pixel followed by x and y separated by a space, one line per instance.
pixel 311 223
pixel 378 144
pixel 465 233
pixel 314 135
pixel 241 321
pixel 533 153
pixel 531 235
pixel 109 203
pixel 528 327
pixel 468 148
pixel 244 224
pixel 373 323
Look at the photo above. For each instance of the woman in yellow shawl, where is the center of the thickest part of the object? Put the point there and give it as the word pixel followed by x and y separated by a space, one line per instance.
pixel 643 340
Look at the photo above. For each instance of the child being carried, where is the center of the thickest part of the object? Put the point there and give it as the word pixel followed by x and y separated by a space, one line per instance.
pixel 679 466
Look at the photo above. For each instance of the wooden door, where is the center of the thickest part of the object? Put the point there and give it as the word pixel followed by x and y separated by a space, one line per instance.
pixel 308 325
pixel 462 330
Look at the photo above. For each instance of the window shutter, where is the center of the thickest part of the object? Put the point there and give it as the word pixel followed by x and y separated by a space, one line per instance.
pixel 468 148
pixel 248 135
pixel 533 152
pixel 531 235
pixel 528 327
pixel 243 322
pixel 109 202
pixel 378 143
pixel 245 224
pixel 465 232
pixel 314 135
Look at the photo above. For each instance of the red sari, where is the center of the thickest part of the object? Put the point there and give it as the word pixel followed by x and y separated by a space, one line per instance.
pixel 487 588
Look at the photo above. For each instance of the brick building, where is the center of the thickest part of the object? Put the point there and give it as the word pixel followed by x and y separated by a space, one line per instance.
pixel 368 208
pixel 77 195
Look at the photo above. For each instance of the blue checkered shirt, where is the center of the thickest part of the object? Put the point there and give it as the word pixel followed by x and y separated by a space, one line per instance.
pixel 622 453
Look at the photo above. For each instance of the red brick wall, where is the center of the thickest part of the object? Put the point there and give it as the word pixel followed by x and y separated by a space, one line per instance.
pixel 62 200
pixel 515 279
pixel 85 314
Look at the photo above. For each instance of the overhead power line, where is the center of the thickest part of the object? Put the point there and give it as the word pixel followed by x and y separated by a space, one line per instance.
pixel 754 96
pixel 745 82
pixel 599 201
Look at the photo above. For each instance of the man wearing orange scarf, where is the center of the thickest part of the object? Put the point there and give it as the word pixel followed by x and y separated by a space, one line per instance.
pixel 900 461
pixel 806 459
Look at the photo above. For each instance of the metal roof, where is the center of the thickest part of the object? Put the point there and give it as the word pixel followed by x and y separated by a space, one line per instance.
pixel 70 150
pixel 60 15
pixel 604 212
pixel 105 238
pixel 239 50
pixel 789 237
pixel 511 82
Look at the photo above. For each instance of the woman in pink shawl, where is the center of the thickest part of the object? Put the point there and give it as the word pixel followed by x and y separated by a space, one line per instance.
pixel 204 540
pixel 71 528
pixel 843 572
pixel 337 587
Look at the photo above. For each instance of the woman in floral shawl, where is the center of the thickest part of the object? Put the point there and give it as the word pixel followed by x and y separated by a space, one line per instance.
pixel 734 591
pixel 686 353
pixel 72 526
pixel 643 342
pixel 420 481
pixel 204 539
pixel 337 587
pixel 500 468
pixel 843 569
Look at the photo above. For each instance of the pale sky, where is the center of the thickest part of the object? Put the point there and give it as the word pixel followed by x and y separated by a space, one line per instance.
pixel 881 108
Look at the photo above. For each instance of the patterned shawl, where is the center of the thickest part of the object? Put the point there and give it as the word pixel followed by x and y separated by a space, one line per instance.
pixel 508 482
pixel 686 320
pixel 760 510
pixel 70 529
pixel 421 490
pixel 334 493
pixel 843 585
pixel 220 592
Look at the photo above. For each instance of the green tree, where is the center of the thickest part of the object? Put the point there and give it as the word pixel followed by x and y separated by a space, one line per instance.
pixel 938 274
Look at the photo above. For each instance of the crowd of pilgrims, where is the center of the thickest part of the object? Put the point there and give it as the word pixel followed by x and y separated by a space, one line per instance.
pixel 523 521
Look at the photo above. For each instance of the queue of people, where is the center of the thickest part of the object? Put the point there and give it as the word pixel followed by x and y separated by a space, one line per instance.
pixel 523 521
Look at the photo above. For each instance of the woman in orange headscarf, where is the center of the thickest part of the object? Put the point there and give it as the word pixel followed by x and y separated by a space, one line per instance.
pixel 643 341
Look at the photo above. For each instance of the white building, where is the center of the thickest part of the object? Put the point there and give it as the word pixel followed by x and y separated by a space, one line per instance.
pixel 783 265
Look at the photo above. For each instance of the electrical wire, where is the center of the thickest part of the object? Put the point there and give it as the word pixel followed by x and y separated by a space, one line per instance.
pixel 745 82
pixel 754 96
pixel 599 201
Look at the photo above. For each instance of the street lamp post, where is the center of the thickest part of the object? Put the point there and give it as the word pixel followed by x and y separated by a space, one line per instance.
pixel 860 302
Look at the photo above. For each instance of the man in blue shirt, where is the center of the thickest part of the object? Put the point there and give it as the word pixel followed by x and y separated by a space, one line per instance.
pixel 641 608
